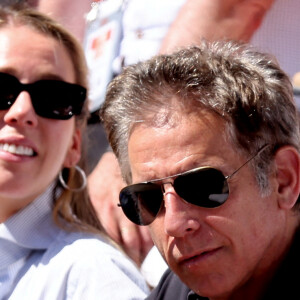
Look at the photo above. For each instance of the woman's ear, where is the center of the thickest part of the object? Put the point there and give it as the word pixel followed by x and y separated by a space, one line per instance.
pixel 74 152
pixel 287 160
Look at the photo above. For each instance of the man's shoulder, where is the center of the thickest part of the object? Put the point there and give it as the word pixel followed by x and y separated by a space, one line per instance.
pixel 169 287
pixel 284 284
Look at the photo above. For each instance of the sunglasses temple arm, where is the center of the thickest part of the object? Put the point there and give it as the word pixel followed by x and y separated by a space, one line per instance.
pixel 247 161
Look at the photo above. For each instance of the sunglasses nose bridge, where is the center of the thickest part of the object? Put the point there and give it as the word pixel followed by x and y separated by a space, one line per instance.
pixel 163 186
pixel 20 88
pixel 29 87
pixel 21 109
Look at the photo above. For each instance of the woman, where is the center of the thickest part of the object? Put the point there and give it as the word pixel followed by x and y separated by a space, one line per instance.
pixel 49 242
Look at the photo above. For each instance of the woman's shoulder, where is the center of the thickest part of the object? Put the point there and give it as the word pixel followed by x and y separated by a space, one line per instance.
pixel 84 266
pixel 82 241
pixel 76 247
pixel 97 263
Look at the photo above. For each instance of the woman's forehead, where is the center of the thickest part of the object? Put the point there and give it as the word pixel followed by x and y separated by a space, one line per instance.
pixel 23 49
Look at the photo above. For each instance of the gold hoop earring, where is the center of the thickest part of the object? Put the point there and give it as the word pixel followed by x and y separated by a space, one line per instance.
pixel 83 179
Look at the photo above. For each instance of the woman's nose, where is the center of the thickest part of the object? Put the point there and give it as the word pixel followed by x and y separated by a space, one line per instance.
pixel 22 112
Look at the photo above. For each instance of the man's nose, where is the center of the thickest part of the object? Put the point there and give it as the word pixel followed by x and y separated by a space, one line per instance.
pixel 180 218
pixel 21 112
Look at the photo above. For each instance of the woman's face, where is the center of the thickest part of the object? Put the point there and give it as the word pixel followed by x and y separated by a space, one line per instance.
pixel 33 149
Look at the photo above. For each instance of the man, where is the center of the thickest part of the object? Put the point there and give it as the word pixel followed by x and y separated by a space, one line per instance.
pixel 208 139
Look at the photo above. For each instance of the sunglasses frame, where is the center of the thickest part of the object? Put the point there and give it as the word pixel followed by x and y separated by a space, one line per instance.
pixel 76 95
pixel 162 180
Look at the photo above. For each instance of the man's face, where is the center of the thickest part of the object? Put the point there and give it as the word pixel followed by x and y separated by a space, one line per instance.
pixel 213 250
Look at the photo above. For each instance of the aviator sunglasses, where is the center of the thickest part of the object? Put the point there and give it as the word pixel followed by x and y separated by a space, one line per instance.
pixel 53 99
pixel 204 186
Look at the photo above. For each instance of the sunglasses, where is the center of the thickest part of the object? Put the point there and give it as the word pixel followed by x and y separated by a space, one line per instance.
pixel 205 187
pixel 53 99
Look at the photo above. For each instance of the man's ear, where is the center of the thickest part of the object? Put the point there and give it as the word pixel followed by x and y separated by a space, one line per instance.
pixel 287 160
pixel 74 151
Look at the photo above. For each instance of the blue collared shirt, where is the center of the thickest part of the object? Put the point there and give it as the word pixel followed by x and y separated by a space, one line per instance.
pixel 39 260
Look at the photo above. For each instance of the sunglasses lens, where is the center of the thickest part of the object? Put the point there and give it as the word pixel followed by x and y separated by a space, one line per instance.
pixel 204 187
pixel 52 99
pixel 9 90
pixel 141 202
pixel 57 99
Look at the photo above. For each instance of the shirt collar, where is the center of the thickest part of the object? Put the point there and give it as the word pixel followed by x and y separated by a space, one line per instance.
pixel 193 296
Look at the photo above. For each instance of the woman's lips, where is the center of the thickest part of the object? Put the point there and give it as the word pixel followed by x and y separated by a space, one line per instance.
pixel 17 149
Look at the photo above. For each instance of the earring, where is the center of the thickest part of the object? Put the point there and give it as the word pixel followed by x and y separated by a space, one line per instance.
pixel 83 179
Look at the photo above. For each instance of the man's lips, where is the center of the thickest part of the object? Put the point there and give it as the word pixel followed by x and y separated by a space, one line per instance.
pixel 199 256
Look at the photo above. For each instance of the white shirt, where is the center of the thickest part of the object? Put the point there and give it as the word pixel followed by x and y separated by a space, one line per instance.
pixel 122 32
pixel 145 24
pixel 40 261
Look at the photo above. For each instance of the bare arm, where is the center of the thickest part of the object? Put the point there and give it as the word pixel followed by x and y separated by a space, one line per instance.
pixel 215 19
pixel 105 183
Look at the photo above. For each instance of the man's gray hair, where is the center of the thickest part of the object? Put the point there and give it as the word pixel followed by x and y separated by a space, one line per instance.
pixel 244 87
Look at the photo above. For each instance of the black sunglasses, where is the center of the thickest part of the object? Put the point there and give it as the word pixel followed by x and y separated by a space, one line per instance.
pixel 53 99
pixel 205 187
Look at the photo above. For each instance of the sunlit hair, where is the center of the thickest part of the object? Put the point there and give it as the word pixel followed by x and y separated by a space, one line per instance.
pixel 73 209
pixel 243 87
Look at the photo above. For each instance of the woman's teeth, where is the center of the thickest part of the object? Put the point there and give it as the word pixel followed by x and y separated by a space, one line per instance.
pixel 14 149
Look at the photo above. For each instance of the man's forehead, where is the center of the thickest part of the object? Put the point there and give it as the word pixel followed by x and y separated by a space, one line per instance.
pixel 191 143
